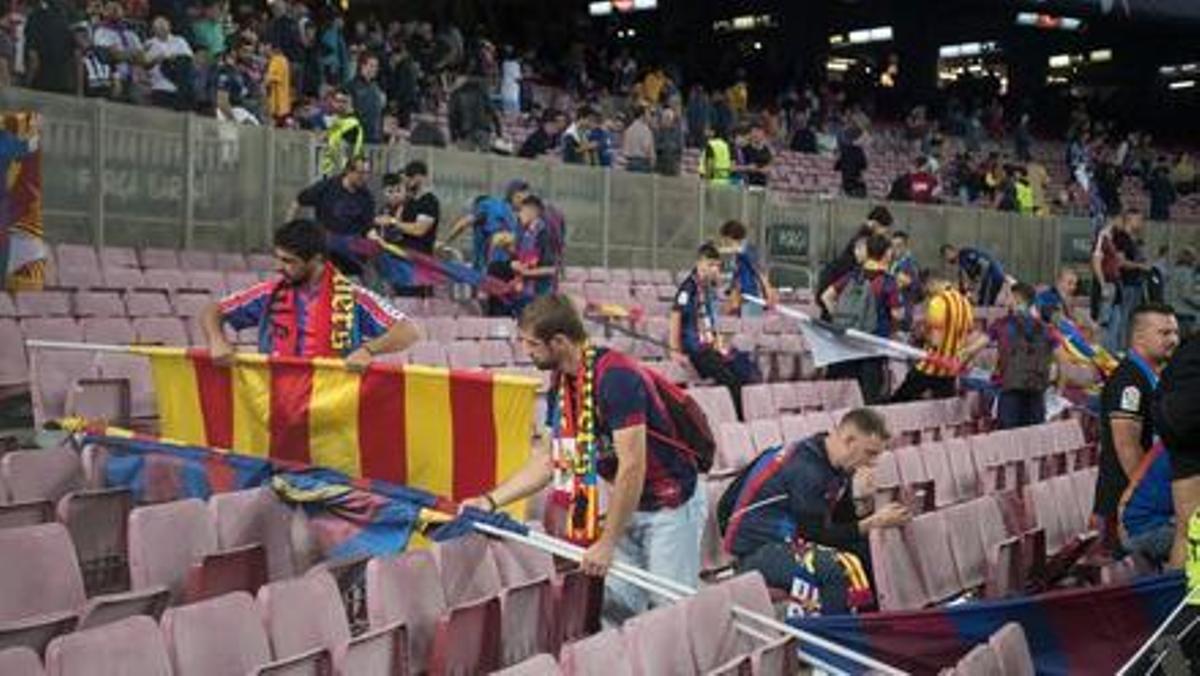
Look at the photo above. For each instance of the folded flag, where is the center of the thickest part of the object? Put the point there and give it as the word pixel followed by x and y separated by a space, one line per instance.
pixel 1080 349
pixel 404 267
pixel 452 433
pixel 464 524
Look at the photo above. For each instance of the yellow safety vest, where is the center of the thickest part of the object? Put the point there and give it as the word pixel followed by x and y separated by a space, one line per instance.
pixel 718 161
pixel 333 160
pixel 1024 198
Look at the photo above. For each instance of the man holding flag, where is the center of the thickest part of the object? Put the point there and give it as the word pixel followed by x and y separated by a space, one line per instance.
pixel 411 218
pixel 490 215
pixel 611 417
pixel 949 321
pixel 310 310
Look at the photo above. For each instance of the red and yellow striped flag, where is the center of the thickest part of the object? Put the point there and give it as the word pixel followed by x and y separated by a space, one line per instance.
pixel 453 433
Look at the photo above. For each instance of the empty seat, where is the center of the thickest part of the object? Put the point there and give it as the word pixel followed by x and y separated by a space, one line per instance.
pixel 962 468
pixel 99 304
pixel 136 370
pixel 98 521
pixel 42 304
pixel 229 261
pixel 735 446
pixel 130 647
pixel 305 613
pixel 76 256
pixel 123 278
pixel 167 279
pixel 208 280
pixel 980 661
pixel 190 304
pixel 647 636
pixel 527 602
pixel 464 354
pixel 40 590
pixel 54 373
pixel 757 402
pixel 192 259
pixel 495 353
pixel 937 463
pixel 970 560
pixel 7 309
pixel 260 262
pixel 218 637
pixel 20 661
pixel 153 257
pixel 148 304
pixel 931 545
pixel 43 474
pixel 1012 650
pixel 118 257
pixel 80 278
pixel 165 540
pixel 14 369
pixel 602 654
pixel 427 352
pixel 897 576
pixel 160 331
pixel 254 516
pixel 467 569
pixel 407 589
pixel 713 633
pixel 766 434
pixel 236 281
pixel 538 665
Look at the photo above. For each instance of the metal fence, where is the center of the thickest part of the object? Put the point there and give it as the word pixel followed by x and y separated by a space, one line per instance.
pixel 123 175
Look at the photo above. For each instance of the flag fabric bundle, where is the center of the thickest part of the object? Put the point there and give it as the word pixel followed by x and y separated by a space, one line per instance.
pixel 403 267
pixel 1078 347
pixel 452 433
pixel 22 249
pixel 1090 630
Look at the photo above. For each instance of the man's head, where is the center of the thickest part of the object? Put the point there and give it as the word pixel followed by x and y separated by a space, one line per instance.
pixel 1132 221
pixel 368 67
pixel 551 331
pixel 899 242
pixel 858 439
pixel 1021 296
pixel 114 11
pixel 415 174
pixel 878 247
pixel 299 251
pixel 880 219
pixel 515 192
pixel 530 211
pixel 758 135
pixel 358 171
pixel 1067 283
pixel 1154 331
pixel 949 254
pixel 393 189
pixel 708 263
pixel 161 27
pixel 639 112
pixel 733 231
pixel 342 105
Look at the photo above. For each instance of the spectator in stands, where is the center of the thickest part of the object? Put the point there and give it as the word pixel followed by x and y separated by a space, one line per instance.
pixel 208 30
pixel 576 148
pixel 923 185
pixel 748 277
pixel 716 162
pixel 343 206
pixel 699 112
pixel 1176 411
pixel 472 116
pixel 978 272
pixel 344 138
pixel 283 31
pixel 637 145
pixel 1183 174
pixel 1026 349
pixel 368 99
pixel 1054 302
pixel 401 82
pixel 1126 422
pixel 756 158
pixel 949 323
pixel 693 334
pixel 122 47
pixel 722 119
pixel 426 132
pixel 668 143
pixel 1147 512
pixel 488 216
pixel 866 299
pixel 96 77
pixel 171 64
pixel 8 49
pixel 277 83
pixel 879 220
pixel 1023 139
pixel 656 508
pixel 852 163
pixel 791 516
pixel 738 95
pixel 412 218
pixel 907 272
pixel 804 138
pixel 601 136
pixel 545 137
pixel 335 55
pixel 537 258
pixel 1037 178
pixel 1161 192
pixel 1132 277
pixel 232 90
pixel 296 313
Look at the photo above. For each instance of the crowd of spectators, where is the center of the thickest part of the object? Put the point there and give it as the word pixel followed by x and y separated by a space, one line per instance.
pixel 298 65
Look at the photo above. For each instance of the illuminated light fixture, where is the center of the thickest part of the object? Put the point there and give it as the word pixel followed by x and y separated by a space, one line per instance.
pixel 745 22
pixel 758 46
pixel 881 34
pixel 1182 84
pixel 864 36
pixel 967 49
pixel 1049 22
pixel 1060 61
pixel 640 5
pixel 607 7
pixel 1100 55
pixel 600 8
pixel 837 39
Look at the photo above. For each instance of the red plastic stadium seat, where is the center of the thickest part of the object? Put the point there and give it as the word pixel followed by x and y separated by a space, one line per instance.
pixel 99 304
pixel 42 304
pixel 98 521
pixel 131 647
pixel 602 654
pixel 254 516
pixel 165 540
pixel 43 474
pixel 407 589
pixel 1012 650
pixel 20 661
pixel 538 665
pixel 192 259
pixel 217 637
pixel 240 569
pixel 166 259
pixel 647 634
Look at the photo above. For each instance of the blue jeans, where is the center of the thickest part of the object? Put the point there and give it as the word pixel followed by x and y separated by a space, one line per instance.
pixel 1116 338
pixel 665 543
pixel 1155 543
pixel 1021 408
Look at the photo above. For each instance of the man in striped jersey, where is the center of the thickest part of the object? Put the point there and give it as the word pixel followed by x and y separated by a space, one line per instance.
pixel 949 321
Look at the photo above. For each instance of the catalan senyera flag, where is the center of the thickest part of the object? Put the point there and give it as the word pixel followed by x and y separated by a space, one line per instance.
pixel 452 433
pixel 22 249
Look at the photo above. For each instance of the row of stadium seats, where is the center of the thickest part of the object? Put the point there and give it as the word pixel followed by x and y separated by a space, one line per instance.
pixel 1006 653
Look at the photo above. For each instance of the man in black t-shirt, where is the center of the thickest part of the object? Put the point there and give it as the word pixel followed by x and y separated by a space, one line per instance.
pixel 1131 289
pixel 1126 423
pixel 544 137
pixel 415 225
pixel 756 158
pixel 343 205
pixel 50 48
pixel 1177 421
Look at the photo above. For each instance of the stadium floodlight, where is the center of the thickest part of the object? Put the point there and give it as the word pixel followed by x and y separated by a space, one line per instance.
pixel 645 4
pixel 1182 84
pixel 600 8
pixel 1060 61
pixel 1100 55
pixel 1049 22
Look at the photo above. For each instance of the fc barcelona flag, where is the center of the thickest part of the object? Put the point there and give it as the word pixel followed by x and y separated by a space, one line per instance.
pixel 452 433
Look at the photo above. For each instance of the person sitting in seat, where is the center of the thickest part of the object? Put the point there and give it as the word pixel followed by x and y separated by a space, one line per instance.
pixel 310 310
pixel 790 515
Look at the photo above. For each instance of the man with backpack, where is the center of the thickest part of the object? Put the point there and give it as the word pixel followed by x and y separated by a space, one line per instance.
pixel 978 270
pixel 610 416
pixel 1026 347
pixel 693 335
pixel 868 300
pixel 790 515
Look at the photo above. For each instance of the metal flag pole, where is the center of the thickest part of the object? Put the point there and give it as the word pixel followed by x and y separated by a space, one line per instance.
pixel 861 336
pixel 673 590
pixel 1188 598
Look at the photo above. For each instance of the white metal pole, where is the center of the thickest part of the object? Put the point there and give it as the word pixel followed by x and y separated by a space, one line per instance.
pixel 861 336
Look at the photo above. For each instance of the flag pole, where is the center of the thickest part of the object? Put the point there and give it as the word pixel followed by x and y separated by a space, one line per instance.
pixel 915 353
pixel 673 591
pixel 79 347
